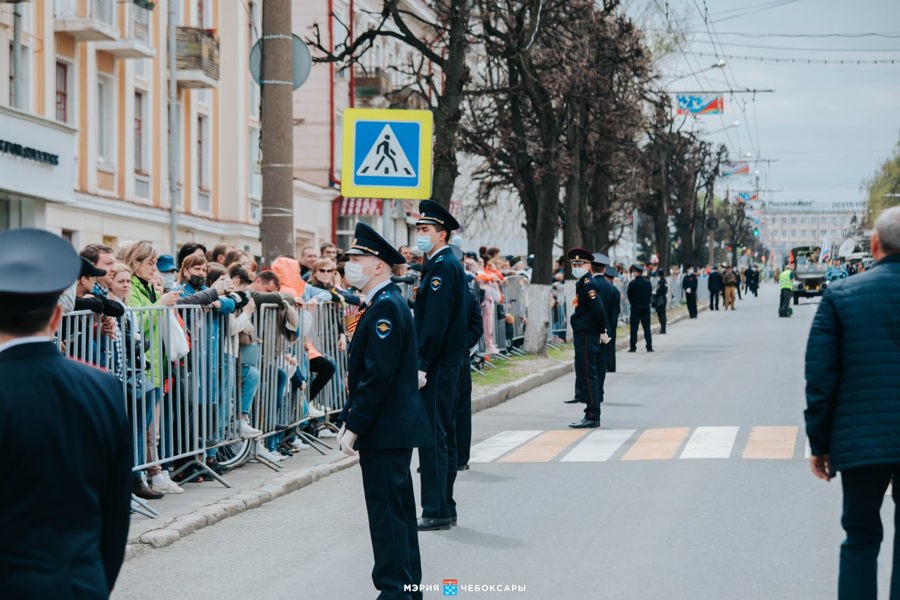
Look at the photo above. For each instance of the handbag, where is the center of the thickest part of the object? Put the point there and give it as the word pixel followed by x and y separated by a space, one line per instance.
pixel 174 338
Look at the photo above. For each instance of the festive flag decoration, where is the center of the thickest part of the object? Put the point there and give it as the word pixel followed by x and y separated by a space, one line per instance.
pixel 735 167
pixel 700 105
pixel 748 196
pixel 825 253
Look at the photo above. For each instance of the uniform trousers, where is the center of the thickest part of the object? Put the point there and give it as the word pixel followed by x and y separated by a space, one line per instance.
pixel 602 368
pixel 640 314
pixel 391 506
pixel 440 395
pixel 464 416
pixel 610 350
pixel 587 383
pixel 661 315
pixel 714 299
pixel 691 299
pixel 864 489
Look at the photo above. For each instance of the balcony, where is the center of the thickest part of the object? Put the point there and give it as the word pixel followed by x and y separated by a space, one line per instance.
pixel 370 88
pixel 408 98
pixel 197 58
pixel 86 20
pixel 135 40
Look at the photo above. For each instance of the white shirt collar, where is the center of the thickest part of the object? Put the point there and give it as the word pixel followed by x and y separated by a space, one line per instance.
pixel 371 295
pixel 438 251
pixel 31 339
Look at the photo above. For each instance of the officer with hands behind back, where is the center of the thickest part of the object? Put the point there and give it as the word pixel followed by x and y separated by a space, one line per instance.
pixel 384 418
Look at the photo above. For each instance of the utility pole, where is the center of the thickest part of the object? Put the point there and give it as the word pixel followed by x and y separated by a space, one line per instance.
pixel 277 131
pixel 173 126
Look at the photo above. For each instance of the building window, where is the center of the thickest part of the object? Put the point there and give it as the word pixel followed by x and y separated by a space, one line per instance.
pixel 139 132
pixel 62 92
pixel 106 119
pixel 202 154
pixel 254 175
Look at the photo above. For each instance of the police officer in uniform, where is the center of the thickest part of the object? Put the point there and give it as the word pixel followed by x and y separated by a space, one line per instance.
pixel 609 296
pixel 440 315
pixel 588 335
pixel 65 488
pixel 689 283
pixel 613 311
pixel 384 418
pixel 639 292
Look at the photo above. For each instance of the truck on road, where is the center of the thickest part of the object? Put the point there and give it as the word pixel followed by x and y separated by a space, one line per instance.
pixel 809 273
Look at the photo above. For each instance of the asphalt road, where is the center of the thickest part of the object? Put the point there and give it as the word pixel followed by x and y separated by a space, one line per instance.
pixel 696 487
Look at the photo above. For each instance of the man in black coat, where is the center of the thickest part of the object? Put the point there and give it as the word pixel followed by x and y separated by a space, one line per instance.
pixel 65 489
pixel 853 404
pixel 689 284
pixel 588 336
pixel 440 315
pixel 474 331
pixel 384 418
pixel 715 285
pixel 613 310
pixel 609 296
pixel 639 292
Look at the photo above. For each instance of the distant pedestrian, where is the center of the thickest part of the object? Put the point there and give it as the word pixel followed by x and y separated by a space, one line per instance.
pixel 732 283
pixel 786 289
pixel 65 487
pixel 639 292
pixel 853 405
pixel 661 301
pixel 689 283
pixel 715 285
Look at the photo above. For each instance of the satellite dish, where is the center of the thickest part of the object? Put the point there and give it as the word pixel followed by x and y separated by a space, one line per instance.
pixel 847 248
pixel 301 61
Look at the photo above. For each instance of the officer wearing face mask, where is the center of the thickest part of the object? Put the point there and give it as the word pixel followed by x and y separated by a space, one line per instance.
pixel 440 314
pixel 588 336
pixel 384 418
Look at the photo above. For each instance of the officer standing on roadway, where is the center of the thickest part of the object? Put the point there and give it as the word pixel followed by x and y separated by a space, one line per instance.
pixel 440 315
pixel 384 418
pixel 639 292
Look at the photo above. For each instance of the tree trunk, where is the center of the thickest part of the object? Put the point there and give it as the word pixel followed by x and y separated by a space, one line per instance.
pixel 545 228
pixel 537 328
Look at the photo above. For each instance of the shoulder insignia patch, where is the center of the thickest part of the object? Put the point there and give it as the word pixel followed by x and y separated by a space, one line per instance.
pixel 436 283
pixel 439 259
pixel 383 328
pixel 592 294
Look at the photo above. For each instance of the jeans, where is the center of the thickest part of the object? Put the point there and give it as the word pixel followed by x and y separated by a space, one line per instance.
pixel 249 385
pixel 864 489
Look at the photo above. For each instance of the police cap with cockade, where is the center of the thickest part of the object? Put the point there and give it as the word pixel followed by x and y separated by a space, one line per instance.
pixel 432 213
pixel 637 267
pixel 35 267
pixel 611 272
pixel 580 254
pixel 367 241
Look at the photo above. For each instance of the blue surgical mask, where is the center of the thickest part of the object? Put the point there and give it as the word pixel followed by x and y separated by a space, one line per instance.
pixel 424 243
pixel 579 272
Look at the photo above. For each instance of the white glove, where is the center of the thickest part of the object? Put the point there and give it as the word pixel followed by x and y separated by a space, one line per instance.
pixel 604 339
pixel 340 434
pixel 423 380
pixel 347 443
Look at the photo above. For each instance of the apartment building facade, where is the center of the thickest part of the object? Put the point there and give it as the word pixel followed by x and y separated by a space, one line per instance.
pixel 787 225
pixel 84 123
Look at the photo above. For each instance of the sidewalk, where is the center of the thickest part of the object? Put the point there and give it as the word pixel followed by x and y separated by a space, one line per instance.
pixel 205 504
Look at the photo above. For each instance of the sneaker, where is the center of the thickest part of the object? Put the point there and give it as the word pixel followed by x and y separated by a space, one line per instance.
pixel 326 432
pixel 247 431
pixel 162 483
pixel 315 412
pixel 264 452
pixel 298 444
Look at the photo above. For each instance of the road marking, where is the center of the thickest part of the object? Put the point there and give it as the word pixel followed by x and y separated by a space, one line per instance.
pixel 657 444
pixel 808 452
pixel 496 446
pixel 544 447
pixel 598 446
pixel 710 442
pixel 771 443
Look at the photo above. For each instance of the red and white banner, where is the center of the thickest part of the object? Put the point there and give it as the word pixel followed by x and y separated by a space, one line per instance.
pixel 352 207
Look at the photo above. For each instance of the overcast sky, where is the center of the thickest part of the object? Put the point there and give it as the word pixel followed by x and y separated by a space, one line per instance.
pixel 827 126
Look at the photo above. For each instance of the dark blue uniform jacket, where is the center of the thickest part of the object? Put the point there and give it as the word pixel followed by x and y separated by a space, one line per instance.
pixel 612 302
pixel 853 369
pixel 441 312
pixel 65 485
pixel 590 314
pixel 384 407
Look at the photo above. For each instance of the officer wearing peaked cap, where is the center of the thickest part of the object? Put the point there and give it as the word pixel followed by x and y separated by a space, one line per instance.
pixel 440 312
pixel 384 418
pixel 588 334
pixel 83 455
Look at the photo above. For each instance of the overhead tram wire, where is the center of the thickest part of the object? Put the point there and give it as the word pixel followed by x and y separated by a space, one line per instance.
pixel 885 35
pixel 802 49
pixel 803 60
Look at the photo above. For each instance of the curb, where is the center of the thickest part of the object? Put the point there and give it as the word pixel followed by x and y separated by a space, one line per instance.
pixel 184 525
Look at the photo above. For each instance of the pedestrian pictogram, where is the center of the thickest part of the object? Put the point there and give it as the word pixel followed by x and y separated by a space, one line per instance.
pixel 387 154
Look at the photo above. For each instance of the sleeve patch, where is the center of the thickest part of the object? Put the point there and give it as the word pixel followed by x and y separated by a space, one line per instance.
pixel 592 294
pixel 383 328
pixel 435 283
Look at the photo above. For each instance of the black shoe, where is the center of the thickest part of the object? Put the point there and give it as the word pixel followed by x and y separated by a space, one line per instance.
pixel 430 524
pixel 142 490
pixel 453 521
pixel 573 401
pixel 662 333
pixel 649 349
pixel 586 423
pixel 462 468
pixel 632 349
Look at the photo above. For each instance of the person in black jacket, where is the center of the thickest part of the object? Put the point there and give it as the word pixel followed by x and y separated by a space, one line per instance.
pixel 853 404
pixel 715 285
pixel 474 331
pixel 689 284
pixel 384 418
pixel 661 301
pixel 64 510
pixel 440 315
pixel 613 310
pixel 639 292
pixel 609 297
pixel 588 334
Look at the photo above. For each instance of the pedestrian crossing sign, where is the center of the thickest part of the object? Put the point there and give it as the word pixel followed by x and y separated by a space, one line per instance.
pixel 386 154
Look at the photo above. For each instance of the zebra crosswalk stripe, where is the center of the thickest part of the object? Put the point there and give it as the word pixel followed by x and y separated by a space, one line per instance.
pixel 599 446
pixel 496 446
pixel 710 442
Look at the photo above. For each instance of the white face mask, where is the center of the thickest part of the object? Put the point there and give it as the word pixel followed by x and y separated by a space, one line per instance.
pixel 579 272
pixel 169 280
pixel 355 276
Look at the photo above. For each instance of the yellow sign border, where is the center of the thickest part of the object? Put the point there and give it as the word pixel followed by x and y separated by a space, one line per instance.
pixel 426 122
